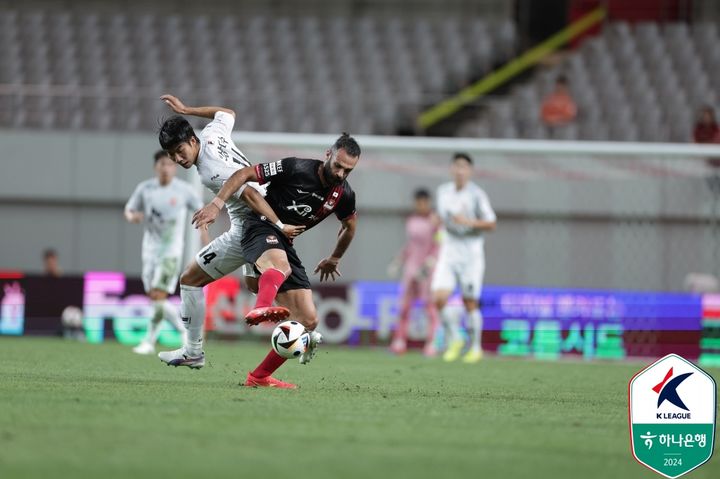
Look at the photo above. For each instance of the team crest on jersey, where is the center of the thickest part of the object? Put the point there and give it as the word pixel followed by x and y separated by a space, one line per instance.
pixel 330 203
pixel 173 201
pixel 271 239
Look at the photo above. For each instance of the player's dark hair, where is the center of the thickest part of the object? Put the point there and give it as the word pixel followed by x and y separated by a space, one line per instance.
pixel 160 154
pixel 462 156
pixel 49 253
pixel 347 143
pixel 175 130
pixel 421 194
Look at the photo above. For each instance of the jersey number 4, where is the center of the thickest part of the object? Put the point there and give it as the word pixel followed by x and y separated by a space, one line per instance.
pixel 207 256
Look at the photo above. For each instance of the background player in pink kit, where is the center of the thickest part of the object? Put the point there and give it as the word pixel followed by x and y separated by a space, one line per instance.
pixel 418 262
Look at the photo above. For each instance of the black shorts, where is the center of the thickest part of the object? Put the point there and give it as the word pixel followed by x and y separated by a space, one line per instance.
pixel 260 236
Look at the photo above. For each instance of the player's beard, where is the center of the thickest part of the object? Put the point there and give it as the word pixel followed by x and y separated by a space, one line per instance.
pixel 331 179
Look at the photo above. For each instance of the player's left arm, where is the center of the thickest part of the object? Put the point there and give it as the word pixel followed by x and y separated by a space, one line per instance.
pixel 255 200
pixel 328 267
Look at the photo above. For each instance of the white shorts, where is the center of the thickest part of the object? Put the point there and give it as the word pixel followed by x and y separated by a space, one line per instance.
pixel 464 270
pixel 224 255
pixel 160 273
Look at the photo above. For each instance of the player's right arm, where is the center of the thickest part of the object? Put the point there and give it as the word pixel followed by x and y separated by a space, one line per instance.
pixel 202 111
pixel 443 208
pixel 134 216
pixel 208 213
pixel 393 269
pixel 133 208
pixel 252 197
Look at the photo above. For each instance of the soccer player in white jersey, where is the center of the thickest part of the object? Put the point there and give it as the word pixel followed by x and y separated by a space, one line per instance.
pixel 216 158
pixel 465 211
pixel 162 205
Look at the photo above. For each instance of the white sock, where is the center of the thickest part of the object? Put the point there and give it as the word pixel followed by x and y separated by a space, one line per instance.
pixel 172 314
pixel 192 311
pixel 154 324
pixel 451 323
pixel 475 323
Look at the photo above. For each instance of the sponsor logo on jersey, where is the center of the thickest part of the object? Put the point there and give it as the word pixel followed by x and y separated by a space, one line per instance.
pixel 272 169
pixel 302 210
pixel 271 239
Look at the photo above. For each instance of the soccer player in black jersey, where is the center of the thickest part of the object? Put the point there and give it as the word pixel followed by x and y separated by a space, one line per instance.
pixel 301 192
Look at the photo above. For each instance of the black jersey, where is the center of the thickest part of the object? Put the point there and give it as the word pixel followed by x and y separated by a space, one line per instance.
pixel 298 196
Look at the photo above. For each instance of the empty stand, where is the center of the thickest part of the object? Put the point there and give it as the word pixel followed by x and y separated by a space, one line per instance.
pixel 642 82
pixel 364 74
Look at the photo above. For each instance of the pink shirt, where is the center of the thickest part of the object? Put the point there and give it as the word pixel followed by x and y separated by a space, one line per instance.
pixel 420 245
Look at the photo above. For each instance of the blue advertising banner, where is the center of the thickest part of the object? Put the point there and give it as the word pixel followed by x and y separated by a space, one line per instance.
pixel 547 322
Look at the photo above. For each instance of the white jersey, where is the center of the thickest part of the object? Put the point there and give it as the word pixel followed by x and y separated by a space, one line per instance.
pixel 218 159
pixel 471 202
pixel 461 261
pixel 165 209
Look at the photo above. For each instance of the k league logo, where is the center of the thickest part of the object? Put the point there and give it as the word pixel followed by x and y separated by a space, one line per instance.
pixel 671 409
pixel 668 390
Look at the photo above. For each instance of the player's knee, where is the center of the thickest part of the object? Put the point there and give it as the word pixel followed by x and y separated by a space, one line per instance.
pixel 190 277
pixel 471 304
pixel 186 278
pixel 284 267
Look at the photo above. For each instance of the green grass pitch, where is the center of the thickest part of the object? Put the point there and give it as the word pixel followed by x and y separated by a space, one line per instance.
pixel 98 411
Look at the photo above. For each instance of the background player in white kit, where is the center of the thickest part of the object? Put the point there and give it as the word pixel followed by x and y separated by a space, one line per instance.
pixel 216 158
pixel 465 211
pixel 162 204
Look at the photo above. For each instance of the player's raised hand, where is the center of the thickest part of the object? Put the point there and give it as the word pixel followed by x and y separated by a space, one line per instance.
pixel 174 103
pixel 205 216
pixel 292 231
pixel 328 268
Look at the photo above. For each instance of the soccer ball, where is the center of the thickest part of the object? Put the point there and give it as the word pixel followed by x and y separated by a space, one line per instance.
pixel 289 339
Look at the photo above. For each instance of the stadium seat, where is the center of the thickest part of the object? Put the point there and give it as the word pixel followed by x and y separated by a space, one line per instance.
pixel 403 63
pixel 618 80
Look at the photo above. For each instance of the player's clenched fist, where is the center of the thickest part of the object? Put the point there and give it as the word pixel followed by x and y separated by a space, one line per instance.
pixel 174 103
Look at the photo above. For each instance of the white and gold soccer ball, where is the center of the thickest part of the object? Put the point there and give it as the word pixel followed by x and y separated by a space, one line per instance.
pixel 290 339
